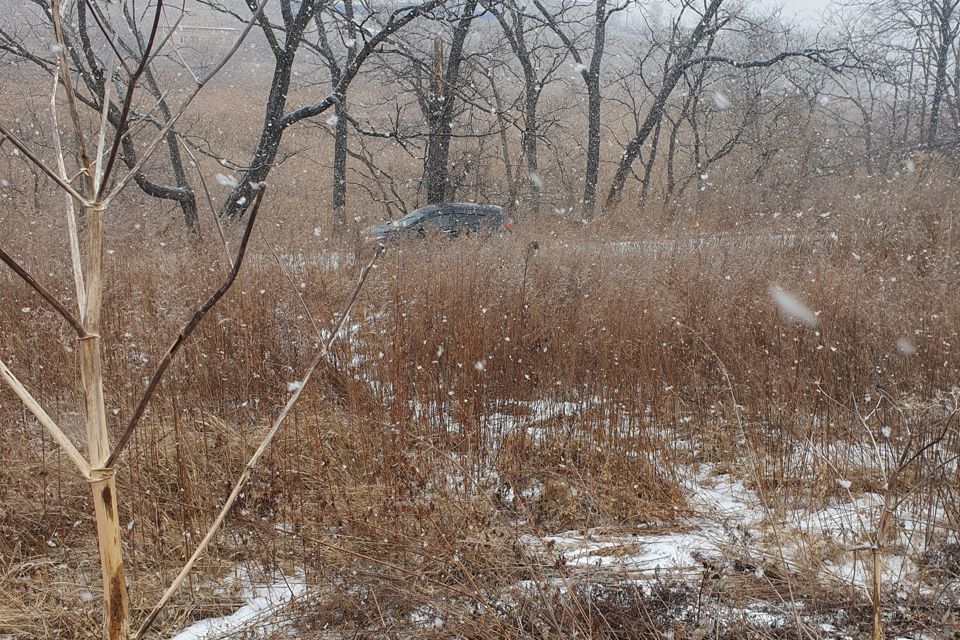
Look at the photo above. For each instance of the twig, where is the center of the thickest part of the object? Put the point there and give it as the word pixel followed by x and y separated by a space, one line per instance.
pixel 105 110
pixel 183 107
pixel 44 293
pixel 206 193
pixel 188 329
pixel 295 289
pixel 44 419
pixel 248 469
pixel 107 31
pixel 121 127
pixel 170 31
pixel 25 150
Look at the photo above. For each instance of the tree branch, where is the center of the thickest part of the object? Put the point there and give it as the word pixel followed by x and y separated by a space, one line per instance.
pixel 45 420
pixel 187 330
pixel 183 105
pixel 44 293
pixel 820 56
pixel 398 19
pixel 128 101
pixel 42 165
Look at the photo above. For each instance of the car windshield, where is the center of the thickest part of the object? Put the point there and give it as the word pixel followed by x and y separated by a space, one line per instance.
pixel 434 213
pixel 409 220
pixel 416 217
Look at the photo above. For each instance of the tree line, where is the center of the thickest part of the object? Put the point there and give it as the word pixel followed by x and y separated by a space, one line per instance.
pixel 574 103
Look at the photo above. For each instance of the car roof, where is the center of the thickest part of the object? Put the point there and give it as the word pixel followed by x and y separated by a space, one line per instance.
pixel 456 207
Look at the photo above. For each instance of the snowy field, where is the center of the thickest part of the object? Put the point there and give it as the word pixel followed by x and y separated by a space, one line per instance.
pixel 729 534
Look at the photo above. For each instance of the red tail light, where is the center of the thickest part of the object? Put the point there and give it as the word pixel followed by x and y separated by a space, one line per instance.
pixel 508 224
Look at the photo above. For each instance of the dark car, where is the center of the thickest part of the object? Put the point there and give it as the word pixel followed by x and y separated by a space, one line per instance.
pixel 452 218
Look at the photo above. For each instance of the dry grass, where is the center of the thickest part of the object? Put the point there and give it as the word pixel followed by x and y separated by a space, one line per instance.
pixel 408 474
pixel 404 481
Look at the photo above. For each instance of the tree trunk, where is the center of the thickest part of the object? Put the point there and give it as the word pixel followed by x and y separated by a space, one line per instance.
pixel 440 115
pixel 944 15
pixel 340 142
pixel 670 80
pixel 268 145
pixel 530 147
pixel 515 36
pixel 592 169
pixel 636 143
pixel 591 78
pixel 671 159
pixel 340 167
pixel 651 161
pixel 183 193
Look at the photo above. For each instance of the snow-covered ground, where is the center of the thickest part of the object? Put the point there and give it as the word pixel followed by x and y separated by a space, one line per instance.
pixel 730 528
pixel 261 615
pixel 728 521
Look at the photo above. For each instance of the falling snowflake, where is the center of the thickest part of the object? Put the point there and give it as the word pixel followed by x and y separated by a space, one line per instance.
pixel 227 181
pixel 721 101
pixel 791 308
pixel 906 347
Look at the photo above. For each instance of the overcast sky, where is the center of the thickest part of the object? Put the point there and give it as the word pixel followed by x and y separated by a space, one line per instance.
pixel 804 8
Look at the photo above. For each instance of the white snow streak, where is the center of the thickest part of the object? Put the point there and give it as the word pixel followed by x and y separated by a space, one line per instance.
pixel 227 181
pixel 791 308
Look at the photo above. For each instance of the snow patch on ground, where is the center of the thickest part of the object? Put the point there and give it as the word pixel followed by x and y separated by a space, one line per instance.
pixel 258 617
pixel 729 521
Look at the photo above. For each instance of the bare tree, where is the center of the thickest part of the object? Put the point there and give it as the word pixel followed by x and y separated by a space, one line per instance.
pixel 686 57
pixel 539 61
pixel 345 27
pixel 93 196
pixel 92 178
pixel 285 42
pixel 946 26
pixel 438 104
pixel 557 21
pixel 101 83
pixel 912 48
